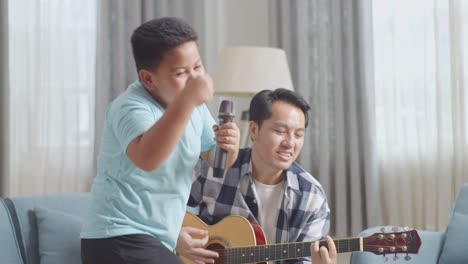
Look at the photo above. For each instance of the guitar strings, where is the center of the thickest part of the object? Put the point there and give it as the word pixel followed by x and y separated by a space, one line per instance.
pixel 232 252
pixel 279 246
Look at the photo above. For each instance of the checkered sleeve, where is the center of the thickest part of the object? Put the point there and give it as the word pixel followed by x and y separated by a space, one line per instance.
pixel 309 232
pixel 317 224
pixel 200 174
pixel 317 227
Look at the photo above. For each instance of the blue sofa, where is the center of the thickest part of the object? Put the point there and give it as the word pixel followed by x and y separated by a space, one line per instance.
pixel 41 229
pixel 436 247
pixel 45 229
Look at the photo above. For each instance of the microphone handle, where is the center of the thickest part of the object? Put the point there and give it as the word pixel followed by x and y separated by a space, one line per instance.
pixel 220 156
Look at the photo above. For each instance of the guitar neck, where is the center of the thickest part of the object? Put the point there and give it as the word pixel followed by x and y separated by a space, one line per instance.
pixel 295 250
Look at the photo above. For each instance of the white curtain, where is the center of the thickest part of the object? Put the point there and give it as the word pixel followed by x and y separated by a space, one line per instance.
pixel 421 60
pixel 51 94
pixel 328 43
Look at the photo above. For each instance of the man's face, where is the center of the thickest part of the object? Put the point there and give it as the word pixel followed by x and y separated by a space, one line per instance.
pixel 175 69
pixel 279 140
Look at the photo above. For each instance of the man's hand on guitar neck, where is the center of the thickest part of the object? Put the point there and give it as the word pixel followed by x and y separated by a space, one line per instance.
pixel 320 255
pixel 190 244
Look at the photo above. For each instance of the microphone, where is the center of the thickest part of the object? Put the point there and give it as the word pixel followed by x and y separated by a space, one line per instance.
pixel 226 114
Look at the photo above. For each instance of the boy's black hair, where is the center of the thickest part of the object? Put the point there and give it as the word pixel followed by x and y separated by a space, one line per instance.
pixel 261 104
pixel 155 38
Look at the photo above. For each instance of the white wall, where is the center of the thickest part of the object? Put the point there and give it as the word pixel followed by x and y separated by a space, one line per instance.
pixel 246 22
pixel 234 23
pixel 241 22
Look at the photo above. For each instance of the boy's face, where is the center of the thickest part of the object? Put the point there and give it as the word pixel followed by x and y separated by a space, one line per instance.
pixel 279 140
pixel 176 67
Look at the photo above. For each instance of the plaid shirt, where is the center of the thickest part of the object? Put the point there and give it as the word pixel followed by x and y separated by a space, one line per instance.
pixel 303 215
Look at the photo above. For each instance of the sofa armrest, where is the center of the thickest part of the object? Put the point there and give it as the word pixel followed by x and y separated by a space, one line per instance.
pixel 9 251
pixel 431 246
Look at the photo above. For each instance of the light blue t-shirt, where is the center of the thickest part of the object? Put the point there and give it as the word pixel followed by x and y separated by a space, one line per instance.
pixel 127 200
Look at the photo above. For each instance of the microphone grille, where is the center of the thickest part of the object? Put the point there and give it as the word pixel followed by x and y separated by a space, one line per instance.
pixel 227 106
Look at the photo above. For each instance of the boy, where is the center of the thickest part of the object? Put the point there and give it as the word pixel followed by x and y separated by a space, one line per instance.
pixel 153 136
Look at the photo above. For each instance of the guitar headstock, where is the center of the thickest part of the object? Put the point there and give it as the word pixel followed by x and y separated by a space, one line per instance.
pixel 407 242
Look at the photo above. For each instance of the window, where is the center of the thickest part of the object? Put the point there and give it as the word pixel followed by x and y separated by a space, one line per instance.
pixel 52 50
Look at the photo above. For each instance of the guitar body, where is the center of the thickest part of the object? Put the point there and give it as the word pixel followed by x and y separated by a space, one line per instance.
pixel 231 232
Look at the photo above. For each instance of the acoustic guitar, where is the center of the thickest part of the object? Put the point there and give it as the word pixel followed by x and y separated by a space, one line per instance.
pixel 237 240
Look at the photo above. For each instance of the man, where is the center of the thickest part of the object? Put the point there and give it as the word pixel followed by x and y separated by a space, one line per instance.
pixel 265 185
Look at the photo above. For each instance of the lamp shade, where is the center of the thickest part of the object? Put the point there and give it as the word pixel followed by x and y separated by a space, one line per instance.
pixel 247 70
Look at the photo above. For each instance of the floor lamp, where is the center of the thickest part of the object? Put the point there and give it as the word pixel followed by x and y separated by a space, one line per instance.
pixel 244 71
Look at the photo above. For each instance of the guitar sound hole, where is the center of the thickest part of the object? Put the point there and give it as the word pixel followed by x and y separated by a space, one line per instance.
pixel 218 248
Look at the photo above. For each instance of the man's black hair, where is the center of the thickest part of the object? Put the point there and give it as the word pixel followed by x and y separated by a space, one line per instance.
pixel 261 105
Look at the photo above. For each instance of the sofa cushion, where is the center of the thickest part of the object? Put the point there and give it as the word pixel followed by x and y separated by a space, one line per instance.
pixel 461 203
pixel 455 248
pixel 58 237
pixel 23 206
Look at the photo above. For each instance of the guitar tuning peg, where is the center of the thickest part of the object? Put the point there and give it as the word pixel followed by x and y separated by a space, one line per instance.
pixel 385 258
pixel 382 229
pixel 407 258
pixel 395 258
pixel 395 228
pixel 406 228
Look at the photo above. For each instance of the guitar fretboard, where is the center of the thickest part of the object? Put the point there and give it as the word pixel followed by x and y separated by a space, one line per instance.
pixel 275 252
